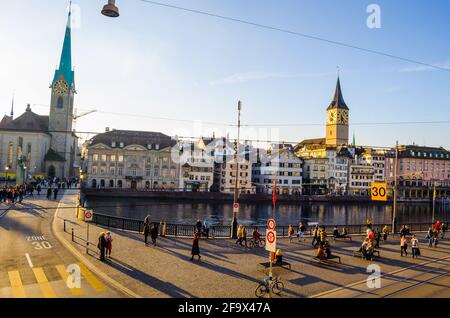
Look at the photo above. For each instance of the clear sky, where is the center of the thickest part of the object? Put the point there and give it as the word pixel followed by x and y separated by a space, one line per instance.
pixel 160 62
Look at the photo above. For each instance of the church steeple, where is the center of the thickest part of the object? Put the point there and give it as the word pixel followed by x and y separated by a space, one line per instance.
pixel 338 99
pixel 65 64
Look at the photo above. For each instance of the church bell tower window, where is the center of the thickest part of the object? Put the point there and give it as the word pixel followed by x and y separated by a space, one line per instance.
pixel 60 103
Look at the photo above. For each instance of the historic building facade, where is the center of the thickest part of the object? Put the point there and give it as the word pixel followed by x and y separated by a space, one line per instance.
pixel 419 170
pixel 281 164
pixel 131 160
pixel 33 145
pixel 196 166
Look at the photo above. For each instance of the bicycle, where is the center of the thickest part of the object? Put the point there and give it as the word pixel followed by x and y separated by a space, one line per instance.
pixel 270 284
pixel 253 243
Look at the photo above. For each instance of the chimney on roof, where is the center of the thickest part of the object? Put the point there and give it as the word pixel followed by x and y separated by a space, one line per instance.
pixel 28 108
pixel 107 129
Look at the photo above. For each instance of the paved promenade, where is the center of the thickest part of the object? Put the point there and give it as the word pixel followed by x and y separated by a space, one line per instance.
pixel 228 270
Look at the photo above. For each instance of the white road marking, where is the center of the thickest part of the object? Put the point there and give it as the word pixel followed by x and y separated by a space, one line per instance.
pixel 29 260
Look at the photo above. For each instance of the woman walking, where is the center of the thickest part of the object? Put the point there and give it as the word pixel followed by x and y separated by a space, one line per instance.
pixel 290 232
pixel 403 246
pixel 415 247
pixel 301 231
pixel 195 247
pixel 109 240
pixel 102 246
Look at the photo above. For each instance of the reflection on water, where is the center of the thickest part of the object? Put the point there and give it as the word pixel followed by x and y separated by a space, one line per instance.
pixel 222 213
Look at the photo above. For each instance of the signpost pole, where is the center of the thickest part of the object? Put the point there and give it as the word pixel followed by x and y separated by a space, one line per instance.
pixel 87 239
pixel 394 219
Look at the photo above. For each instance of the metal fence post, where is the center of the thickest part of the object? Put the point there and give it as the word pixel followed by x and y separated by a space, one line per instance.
pixel 64 225
pixel 73 236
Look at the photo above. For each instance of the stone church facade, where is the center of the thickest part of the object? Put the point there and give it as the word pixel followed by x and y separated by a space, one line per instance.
pixel 33 145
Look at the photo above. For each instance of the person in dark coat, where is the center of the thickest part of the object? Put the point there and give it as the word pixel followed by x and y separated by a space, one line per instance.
pixel 49 194
pixel 55 193
pixel 38 189
pixel 195 247
pixel 146 231
pixel 154 234
pixel 102 246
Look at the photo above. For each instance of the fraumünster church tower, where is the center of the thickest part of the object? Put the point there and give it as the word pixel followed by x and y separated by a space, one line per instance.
pixel 37 146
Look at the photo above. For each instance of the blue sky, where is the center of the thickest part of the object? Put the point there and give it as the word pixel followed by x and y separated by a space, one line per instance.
pixel 162 62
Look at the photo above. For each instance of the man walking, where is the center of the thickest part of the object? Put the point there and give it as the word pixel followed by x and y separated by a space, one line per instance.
pixel 55 193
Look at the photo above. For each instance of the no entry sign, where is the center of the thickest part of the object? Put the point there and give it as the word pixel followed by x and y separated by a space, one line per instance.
pixel 271 240
pixel 88 215
pixel 236 207
pixel 271 224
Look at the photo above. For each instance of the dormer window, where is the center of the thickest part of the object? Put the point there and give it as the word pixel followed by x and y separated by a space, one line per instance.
pixel 149 146
pixel 121 145
pixel 113 144
pixel 157 146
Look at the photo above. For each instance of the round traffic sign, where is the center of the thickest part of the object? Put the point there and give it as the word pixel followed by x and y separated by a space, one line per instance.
pixel 271 237
pixel 271 224
pixel 236 205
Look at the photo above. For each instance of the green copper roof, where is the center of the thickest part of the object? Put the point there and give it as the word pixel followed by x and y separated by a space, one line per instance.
pixel 65 64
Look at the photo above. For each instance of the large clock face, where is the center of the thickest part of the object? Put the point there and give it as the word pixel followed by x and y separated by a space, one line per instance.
pixel 343 116
pixel 331 117
pixel 60 87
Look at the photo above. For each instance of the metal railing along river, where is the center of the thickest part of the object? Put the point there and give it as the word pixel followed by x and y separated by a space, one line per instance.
pixel 224 231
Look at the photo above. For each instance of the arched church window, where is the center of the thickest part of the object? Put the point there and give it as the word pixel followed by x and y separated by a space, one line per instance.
pixel 60 102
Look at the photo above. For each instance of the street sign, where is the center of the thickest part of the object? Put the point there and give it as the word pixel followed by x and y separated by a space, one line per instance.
pixel 271 241
pixel 379 192
pixel 236 207
pixel 271 224
pixel 88 215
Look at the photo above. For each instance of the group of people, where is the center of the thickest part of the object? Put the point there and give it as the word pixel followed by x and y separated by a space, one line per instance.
pixel 320 242
pixel 150 229
pixel 371 241
pixel 300 232
pixel 10 195
pixel 105 245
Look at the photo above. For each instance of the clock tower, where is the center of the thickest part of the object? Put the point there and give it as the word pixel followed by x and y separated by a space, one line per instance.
pixel 337 119
pixel 63 142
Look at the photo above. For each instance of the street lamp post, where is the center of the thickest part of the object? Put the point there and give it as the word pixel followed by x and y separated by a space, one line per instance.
pixel 6 175
pixel 394 220
pixel 110 9
pixel 234 224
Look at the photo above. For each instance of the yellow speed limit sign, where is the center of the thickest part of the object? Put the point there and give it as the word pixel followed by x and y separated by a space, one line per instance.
pixel 379 192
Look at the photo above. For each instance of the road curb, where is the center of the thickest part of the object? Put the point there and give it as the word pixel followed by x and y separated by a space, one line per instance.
pixel 364 281
pixel 88 264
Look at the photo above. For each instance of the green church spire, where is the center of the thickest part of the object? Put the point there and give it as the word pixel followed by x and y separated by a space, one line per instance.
pixel 65 64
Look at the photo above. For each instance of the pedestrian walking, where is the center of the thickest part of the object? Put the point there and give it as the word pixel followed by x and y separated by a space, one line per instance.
pixel 415 247
pixel 443 230
pixel 195 247
pixel 154 233
pixel 301 231
pixel 109 240
pixel 198 227
pixel 240 235
pixel 435 238
pixel 385 233
pixel 429 237
pixel 290 233
pixel 146 232
pixel 244 235
pixel 377 238
pixel 49 193
pixel 102 246
pixel 55 193
pixel 38 189
pixel 315 236
pixel 403 246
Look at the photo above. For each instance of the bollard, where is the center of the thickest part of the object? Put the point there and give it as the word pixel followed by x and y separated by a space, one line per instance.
pixel 64 226
pixel 72 236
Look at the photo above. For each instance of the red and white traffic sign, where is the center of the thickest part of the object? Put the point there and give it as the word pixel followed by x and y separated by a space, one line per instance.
pixel 236 207
pixel 271 224
pixel 88 215
pixel 271 241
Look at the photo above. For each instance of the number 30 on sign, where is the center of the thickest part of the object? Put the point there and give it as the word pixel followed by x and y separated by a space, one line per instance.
pixel 379 192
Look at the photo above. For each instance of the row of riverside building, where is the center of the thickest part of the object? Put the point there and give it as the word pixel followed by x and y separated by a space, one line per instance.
pixel 34 146
pixel 153 161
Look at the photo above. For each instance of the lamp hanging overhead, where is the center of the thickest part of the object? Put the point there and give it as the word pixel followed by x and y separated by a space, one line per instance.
pixel 110 9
